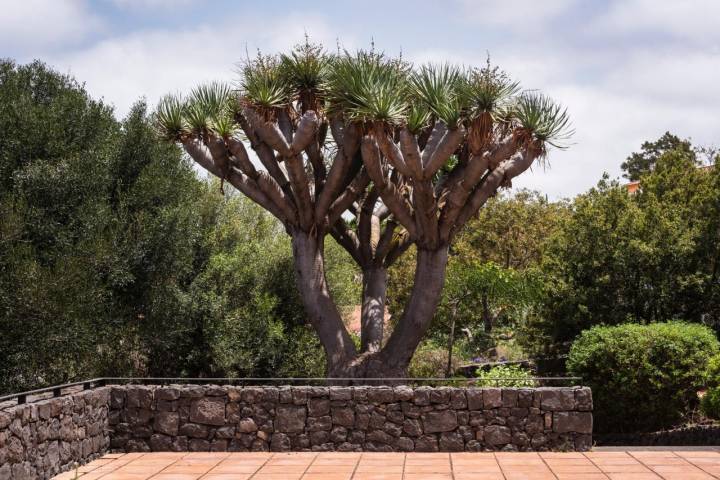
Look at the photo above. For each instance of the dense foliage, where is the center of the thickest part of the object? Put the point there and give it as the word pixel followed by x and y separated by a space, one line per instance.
pixel 643 162
pixel 646 257
pixel 710 402
pixel 115 258
pixel 643 377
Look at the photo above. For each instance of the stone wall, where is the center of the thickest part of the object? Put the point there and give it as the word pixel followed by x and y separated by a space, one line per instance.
pixel 215 418
pixel 39 440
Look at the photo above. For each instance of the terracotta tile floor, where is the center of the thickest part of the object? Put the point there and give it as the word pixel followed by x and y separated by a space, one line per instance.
pixel 605 465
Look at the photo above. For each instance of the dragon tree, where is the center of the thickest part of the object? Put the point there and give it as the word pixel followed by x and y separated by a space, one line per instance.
pixel 375 152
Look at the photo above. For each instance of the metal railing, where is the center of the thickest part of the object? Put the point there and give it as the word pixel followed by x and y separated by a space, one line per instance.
pixel 59 390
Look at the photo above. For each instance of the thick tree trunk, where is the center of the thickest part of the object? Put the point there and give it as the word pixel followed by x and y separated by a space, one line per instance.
pixel 373 308
pixel 419 312
pixel 319 306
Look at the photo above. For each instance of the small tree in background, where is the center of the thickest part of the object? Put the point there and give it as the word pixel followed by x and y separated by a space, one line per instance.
pixel 376 153
pixel 484 290
pixel 643 162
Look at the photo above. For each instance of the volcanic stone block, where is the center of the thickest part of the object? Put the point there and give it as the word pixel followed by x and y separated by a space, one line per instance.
pixel 492 398
pixel 208 410
pixel 556 399
pixel 497 435
pixel 290 419
pixel 576 422
pixel 344 417
pixel 442 421
pixel 167 423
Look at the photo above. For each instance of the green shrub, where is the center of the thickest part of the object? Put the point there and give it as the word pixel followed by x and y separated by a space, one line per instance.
pixel 710 403
pixel 712 374
pixel 643 377
pixel 429 361
pixel 511 375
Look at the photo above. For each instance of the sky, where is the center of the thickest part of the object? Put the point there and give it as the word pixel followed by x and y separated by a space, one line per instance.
pixel 627 70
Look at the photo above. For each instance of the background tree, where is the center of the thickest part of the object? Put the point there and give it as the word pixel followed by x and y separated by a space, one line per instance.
pixel 484 293
pixel 415 154
pixel 643 162
pixel 116 259
pixel 100 229
pixel 642 258
pixel 512 230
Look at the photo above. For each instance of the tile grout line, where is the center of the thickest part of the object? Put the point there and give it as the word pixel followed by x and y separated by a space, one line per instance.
pixel 81 474
pixel 648 466
pixel 502 471
pixel 357 464
pixel 173 463
pixel 227 455
pixel 102 475
pixel 302 475
pixel 603 472
pixel 698 466
pixel 261 466
pixel 547 466
pixel 116 468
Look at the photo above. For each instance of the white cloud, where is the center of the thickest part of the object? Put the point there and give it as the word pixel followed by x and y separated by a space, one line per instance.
pixel 515 14
pixel 691 19
pixel 679 77
pixel 28 26
pixel 153 63
pixel 152 4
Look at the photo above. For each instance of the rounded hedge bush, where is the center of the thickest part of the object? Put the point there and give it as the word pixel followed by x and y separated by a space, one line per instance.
pixel 712 373
pixel 643 377
pixel 710 403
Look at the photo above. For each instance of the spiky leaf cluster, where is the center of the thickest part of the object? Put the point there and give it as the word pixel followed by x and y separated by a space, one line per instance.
pixel 305 71
pixel 209 107
pixel 369 87
pixel 436 89
pixel 543 119
pixel 262 83
pixel 488 90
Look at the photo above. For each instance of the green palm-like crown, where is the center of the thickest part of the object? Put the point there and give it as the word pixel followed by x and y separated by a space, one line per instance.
pixel 370 87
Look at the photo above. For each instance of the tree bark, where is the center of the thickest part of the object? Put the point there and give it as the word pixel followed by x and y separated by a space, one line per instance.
pixel 319 306
pixel 419 312
pixel 373 308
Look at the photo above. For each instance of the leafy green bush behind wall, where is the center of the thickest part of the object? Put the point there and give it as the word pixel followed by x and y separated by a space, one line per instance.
pixel 643 377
